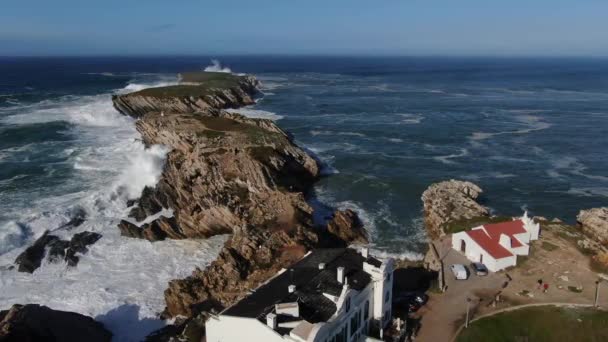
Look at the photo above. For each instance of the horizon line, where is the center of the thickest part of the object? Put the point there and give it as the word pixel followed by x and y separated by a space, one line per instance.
pixel 328 55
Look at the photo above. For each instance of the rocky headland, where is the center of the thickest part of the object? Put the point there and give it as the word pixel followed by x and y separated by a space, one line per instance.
pixel 450 201
pixel 453 205
pixel 226 174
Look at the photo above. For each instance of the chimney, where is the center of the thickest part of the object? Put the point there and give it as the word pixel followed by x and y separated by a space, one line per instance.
pixel 322 266
pixel 271 321
pixel 365 252
pixel 341 275
pixel 291 288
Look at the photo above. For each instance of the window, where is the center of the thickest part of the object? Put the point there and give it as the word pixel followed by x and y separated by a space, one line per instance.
pixel 387 296
pixel 347 304
pixel 388 278
pixel 366 310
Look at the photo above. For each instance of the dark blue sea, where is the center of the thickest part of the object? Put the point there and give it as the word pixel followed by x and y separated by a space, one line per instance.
pixel 533 133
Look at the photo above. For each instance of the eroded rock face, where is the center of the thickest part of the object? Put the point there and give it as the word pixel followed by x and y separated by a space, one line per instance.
pixel 32 322
pixel 594 223
pixel 229 174
pixel 449 201
pixel 223 171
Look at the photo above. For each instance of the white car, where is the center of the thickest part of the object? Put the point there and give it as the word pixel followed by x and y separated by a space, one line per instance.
pixel 460 271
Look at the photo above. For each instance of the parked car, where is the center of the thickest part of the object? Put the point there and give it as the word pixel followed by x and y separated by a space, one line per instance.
pixel 460 271
pixel 479 268
pixel 417 301
pixel 412 300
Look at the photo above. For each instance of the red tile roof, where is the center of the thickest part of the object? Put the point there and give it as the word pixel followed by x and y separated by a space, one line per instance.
pixel 509 228
pixel 490 241
pixel 488 244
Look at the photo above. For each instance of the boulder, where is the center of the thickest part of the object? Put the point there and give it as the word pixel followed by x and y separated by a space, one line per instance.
pixel 346 226
pixel 449 201
pixel 31 258
pixel 32 322
pixel 594 223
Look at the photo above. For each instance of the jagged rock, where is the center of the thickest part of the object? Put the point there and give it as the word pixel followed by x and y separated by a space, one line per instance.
pixel 224 170
pixel 347 226
pixel 594 223
pixel 32 322
pixel 58 249
pixel 449 201
pixel 227 174
pixel 156 230
pixel 31 258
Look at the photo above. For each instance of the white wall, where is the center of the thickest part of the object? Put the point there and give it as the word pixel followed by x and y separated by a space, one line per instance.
pixel 358 300
pixel 232 329
pixel 474 251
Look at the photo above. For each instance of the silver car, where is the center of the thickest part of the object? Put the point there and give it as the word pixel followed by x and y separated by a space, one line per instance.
pixel 460 271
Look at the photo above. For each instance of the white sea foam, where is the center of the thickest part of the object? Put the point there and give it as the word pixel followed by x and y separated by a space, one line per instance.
pixel 533 122
pixel 571 165
pixel 447 159
pixel 11 236
pixel 144 170
pixel 251 112
pixel 120 281
pixel 352 134
pixel 216 66
pixel 411 119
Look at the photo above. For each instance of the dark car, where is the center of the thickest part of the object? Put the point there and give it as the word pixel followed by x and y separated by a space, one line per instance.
pixel 479 268
pixel 413 300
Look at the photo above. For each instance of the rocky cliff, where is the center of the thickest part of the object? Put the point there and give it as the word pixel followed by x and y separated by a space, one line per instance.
pixel 226 173
pixel 594 223
pixel 39 323
pixel 450 201
pixel 196 92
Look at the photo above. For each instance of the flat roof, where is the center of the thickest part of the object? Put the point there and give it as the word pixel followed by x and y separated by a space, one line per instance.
pixel 310 282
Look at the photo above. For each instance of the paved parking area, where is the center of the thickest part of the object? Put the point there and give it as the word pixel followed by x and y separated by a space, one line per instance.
pixel 447 311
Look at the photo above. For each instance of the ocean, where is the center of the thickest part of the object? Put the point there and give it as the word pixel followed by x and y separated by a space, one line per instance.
pixel 531 132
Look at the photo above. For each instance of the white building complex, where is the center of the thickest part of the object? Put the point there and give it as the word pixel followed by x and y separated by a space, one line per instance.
pixel 330 295
pixel 497 245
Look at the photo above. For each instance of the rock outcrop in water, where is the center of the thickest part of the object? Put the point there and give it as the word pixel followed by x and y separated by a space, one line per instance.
pixel 594 223
pixel 55 249
pixel 227 173
pixel 450 201
pixel 33 322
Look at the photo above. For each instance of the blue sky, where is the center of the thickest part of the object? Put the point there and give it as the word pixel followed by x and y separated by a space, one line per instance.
pixel 373 27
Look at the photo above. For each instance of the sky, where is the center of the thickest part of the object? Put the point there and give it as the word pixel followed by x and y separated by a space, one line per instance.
pixel 329 27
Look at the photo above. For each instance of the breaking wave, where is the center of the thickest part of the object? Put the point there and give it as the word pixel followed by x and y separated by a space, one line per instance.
pixel 124 278
pixel 216 66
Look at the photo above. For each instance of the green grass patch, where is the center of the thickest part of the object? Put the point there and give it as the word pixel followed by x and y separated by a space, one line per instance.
pixel 548 246
pixel 540 324
pixel 467 224
pixel 208 83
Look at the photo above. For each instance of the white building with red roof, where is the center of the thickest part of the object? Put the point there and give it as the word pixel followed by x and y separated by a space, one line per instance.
pixel 497 245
